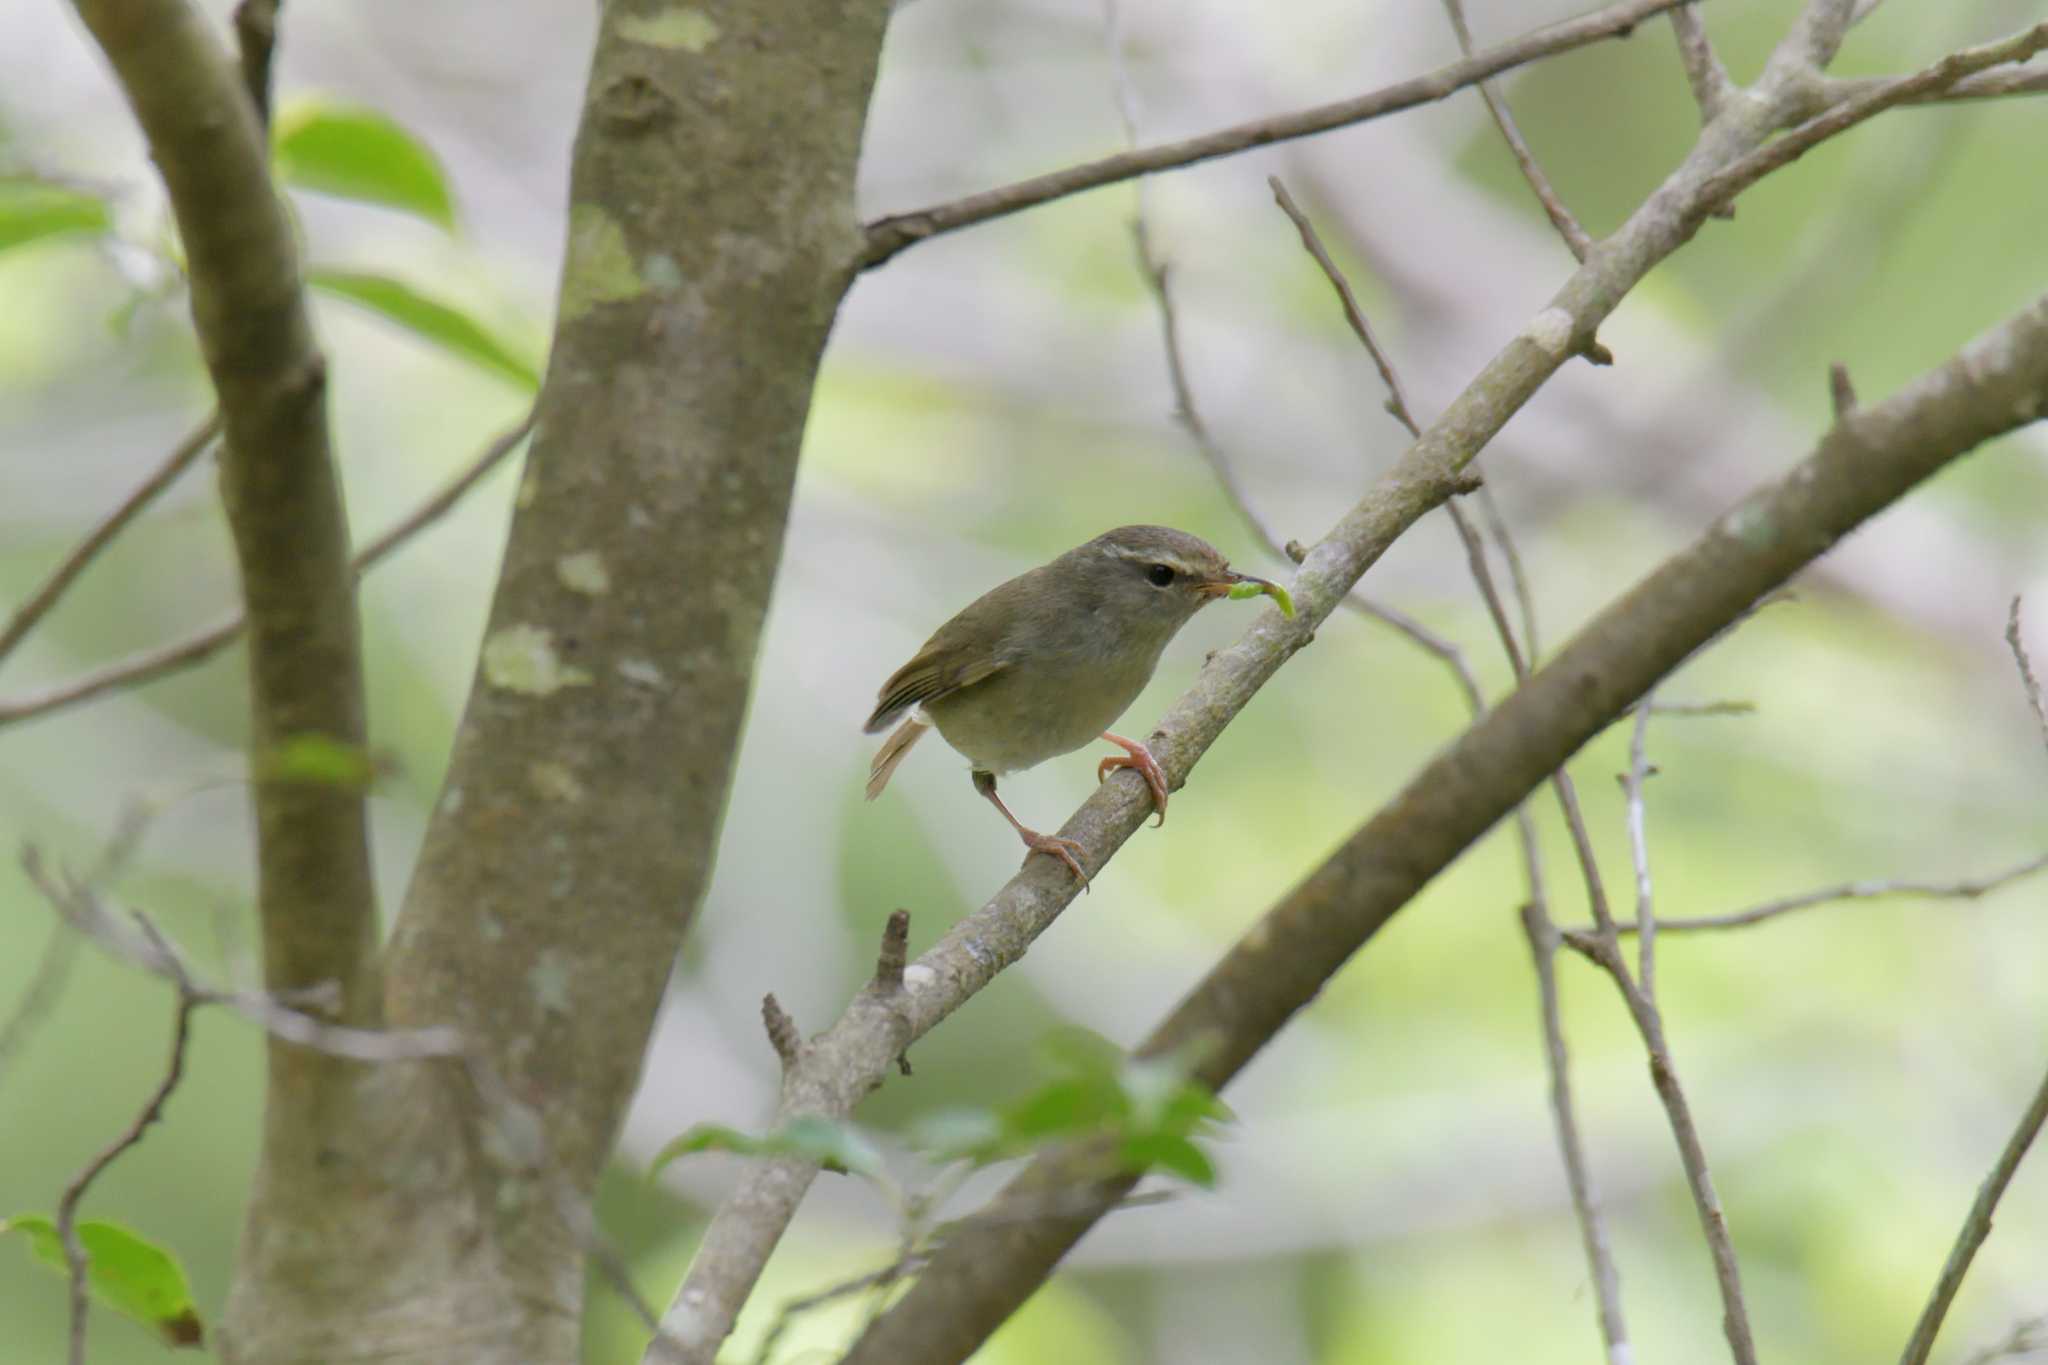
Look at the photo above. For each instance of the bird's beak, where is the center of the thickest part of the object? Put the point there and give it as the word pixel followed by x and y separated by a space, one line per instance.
pixel 1233 584
pixel 1224 583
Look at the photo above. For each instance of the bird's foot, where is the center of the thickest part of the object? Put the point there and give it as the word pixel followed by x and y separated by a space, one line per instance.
pixel 1066 850
pixel 1139 757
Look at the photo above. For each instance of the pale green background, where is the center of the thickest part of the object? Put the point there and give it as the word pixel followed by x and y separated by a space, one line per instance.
pixel 1391 1191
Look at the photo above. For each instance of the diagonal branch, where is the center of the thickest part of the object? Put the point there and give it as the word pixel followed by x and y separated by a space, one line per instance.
pixel 887 236
pixel 1863 464
pixel 45 596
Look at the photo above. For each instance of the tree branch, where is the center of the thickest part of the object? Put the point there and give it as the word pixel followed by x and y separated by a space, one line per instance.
pixel 1865 462
pixel 316 901
pixel 889 235
pixel 45 596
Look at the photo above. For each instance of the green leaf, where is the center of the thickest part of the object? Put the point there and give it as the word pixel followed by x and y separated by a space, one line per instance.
pixel 429 319
pixel 833 1145
pixel 124 1271
pixel 31 210
pixel 357 153
pixel 322 760
pixel 1167 1153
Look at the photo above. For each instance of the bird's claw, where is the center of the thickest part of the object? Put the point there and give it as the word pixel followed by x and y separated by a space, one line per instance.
pixel 1139 757
pixel 1066 850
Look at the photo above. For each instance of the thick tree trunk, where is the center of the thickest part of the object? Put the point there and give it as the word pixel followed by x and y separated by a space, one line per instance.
pixel 712 234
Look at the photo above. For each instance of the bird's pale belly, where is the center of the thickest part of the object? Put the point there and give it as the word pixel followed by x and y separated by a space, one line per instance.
pixel 1021 716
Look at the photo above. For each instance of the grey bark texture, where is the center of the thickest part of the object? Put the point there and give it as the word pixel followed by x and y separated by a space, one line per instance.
pixel 420 1211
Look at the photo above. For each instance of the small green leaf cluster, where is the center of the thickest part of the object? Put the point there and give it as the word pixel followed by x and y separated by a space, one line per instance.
pixel 1147 1113
pixel 322 146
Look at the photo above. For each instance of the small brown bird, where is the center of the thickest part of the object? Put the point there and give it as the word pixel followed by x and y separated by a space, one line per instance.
pixel 1043 664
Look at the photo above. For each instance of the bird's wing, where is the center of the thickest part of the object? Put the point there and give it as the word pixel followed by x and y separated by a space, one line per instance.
pixel 934 673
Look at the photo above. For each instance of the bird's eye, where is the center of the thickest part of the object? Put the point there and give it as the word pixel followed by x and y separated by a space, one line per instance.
pixel 1160 575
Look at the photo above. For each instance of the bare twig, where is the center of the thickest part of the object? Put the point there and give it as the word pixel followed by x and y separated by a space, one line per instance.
pixel 1703 708
pixel 444 498
pixel 2028 681
pixel 1722 188
pixel 152 664
pixel 45 596
pixel 1575 237
pixel 137 942
pixel 889 235
pixel 1397 401
pixel 1969 889
pixel 2031 79
pixel 1518 578
pixel 1543 940
pixel 1703 70
pixel 152 1110
pixel 1639 771
pixel 1976 1227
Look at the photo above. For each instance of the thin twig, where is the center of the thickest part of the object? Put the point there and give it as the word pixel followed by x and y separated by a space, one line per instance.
pixel 1721 188
pixel 1848 891
pixel 2028 681
pixel 887 236
pixel 2031 79
pixel 1397 401
pixel 1976 1227
pixel 1518 578
pixel 1703 70
pixel 1639 771
pixel 1703 708
pixel 136 941
pixel 67 1205
pixel 152 664
pixel 1543 940
pixel 73 564
pixel 1576 239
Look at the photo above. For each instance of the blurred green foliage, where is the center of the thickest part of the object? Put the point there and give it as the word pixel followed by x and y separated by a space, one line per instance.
pixel 1391 1191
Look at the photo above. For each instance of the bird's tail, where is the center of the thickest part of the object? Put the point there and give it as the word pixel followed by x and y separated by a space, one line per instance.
pixel 892 751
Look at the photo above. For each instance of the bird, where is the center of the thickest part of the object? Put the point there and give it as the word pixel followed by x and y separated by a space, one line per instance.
pixel 1044 664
